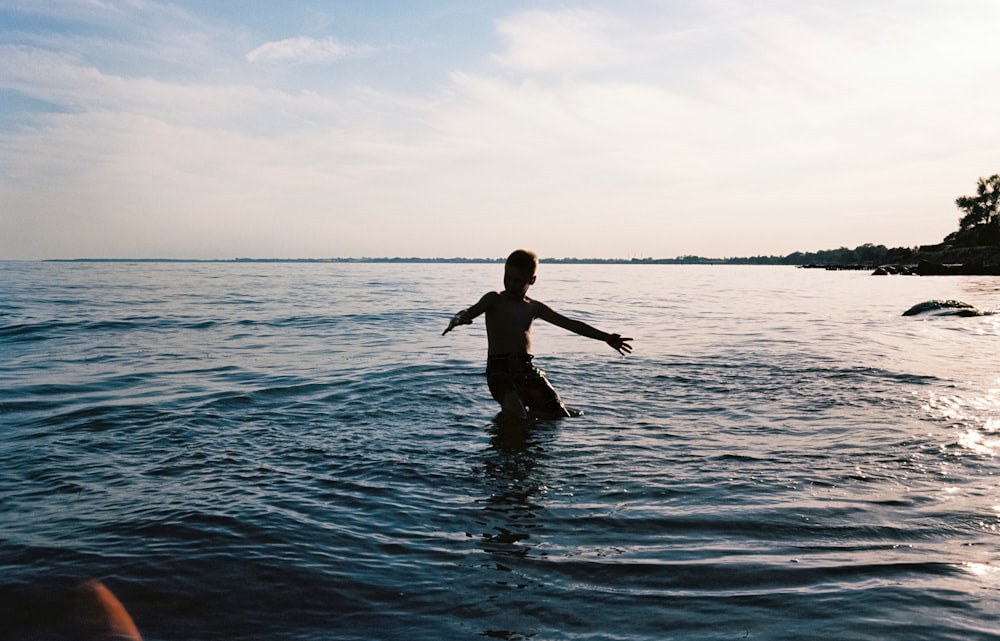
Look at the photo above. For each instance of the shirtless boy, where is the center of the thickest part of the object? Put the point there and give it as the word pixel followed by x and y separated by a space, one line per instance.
pixel 513 381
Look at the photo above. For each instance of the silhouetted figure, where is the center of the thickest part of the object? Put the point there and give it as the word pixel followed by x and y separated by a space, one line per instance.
pixel 513 380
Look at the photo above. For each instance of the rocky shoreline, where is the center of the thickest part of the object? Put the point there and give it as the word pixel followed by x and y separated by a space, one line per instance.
pixel 929 268
pixel 932 260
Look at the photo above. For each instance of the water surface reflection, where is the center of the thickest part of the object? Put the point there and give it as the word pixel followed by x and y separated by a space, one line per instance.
pixel 511 521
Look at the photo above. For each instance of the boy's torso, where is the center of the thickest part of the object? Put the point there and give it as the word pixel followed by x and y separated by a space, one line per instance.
pixel 508 324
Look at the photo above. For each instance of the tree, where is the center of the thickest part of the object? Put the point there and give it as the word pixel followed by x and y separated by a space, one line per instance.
pixel 981 221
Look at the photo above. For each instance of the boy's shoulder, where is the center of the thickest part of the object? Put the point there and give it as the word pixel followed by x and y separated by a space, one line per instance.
pixel 526 303
pixel 498 299
pixel 488 301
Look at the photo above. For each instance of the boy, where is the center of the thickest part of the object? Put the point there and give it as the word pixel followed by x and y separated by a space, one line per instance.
pixel 513 380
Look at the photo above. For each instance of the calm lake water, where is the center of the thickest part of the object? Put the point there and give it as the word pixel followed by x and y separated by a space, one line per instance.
pixel 293 451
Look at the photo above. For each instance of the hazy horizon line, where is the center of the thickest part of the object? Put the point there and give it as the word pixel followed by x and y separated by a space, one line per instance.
pixel 398 259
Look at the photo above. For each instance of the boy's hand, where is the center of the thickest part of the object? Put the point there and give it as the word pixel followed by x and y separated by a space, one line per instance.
pixel 619 344
pixel 455 321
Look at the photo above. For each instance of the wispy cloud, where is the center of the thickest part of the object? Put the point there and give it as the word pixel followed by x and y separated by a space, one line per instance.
pixel 566 40
pixel 307 50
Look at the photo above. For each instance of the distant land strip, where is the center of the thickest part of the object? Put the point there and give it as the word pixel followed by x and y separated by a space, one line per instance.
pixel 681 260
pixel 974 259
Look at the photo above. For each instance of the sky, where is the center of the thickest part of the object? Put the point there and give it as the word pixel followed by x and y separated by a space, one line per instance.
pixel 367 128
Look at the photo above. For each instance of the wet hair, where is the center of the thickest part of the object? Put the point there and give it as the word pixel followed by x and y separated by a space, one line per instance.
pixel 523 259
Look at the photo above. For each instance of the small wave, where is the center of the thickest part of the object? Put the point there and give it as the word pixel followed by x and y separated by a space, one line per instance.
pixel 714 580
pixel 33 331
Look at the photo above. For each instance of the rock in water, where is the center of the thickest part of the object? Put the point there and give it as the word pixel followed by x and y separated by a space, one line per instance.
pixel 943 308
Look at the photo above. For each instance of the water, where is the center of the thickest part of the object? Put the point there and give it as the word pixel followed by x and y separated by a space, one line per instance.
pixel 292 451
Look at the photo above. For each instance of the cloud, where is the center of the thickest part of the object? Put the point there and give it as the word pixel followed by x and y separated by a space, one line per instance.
pixel 571 39
pixel 306 50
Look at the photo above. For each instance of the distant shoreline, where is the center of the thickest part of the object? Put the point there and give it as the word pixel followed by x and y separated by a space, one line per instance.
pixel 926 260
pixel 686 260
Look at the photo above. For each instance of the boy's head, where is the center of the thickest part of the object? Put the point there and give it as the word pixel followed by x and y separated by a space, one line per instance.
pixel 519 272
pixel 523 259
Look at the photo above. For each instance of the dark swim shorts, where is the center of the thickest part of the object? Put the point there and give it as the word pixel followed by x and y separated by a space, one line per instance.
pixel 515 371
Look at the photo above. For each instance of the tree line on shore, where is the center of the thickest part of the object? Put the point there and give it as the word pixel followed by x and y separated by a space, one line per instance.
pixel 975 245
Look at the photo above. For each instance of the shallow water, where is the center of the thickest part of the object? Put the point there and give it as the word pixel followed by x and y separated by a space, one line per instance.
pixel 292 451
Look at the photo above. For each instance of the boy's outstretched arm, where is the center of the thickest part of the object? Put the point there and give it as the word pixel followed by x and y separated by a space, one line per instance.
pixel 465 316
pixel 617 343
